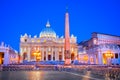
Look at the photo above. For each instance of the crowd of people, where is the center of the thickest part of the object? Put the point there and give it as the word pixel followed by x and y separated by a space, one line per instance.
pixel 16 67
pixel 110 72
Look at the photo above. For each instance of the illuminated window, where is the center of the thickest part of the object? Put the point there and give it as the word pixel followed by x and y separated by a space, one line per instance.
pixel 38 41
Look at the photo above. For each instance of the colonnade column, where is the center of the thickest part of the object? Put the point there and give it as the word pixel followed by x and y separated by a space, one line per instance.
pixel 99 57
pixel 46 54
pixel 89 59
pixel 28 54
pixel 21 55
pixel 94 59
pixel 63 54
pixel 6 58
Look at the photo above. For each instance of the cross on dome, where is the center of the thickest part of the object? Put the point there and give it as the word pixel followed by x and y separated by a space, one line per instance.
pixel 48 24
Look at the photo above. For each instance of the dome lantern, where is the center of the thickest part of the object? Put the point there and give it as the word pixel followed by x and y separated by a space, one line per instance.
pixel 48 24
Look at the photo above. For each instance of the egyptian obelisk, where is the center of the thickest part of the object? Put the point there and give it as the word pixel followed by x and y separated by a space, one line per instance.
pixel 67 40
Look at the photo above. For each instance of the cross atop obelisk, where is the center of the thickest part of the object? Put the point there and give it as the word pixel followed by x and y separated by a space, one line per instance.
pixel 67 40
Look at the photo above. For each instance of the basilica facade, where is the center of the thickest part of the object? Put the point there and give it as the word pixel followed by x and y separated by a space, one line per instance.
pixel 47 47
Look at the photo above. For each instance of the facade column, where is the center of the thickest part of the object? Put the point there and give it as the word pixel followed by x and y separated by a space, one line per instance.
pixel 52 54
pixel 56 53
pixel 46 54
pixel 42 53
pixel 28 54
pixel 118 55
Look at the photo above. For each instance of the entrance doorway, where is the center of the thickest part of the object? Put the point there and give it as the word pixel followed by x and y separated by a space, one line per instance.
pixel 37 56
pixel 72 56
pixel 49 57
pixel 107 56
pixel 1 57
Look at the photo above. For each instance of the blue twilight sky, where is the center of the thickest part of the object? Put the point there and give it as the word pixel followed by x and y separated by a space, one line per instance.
pixel 29 16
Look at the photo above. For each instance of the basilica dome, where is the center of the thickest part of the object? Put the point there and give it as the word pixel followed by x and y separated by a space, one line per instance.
pixel 48 32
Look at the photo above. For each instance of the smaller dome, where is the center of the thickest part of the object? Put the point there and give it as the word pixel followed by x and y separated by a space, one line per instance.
pixel 48 32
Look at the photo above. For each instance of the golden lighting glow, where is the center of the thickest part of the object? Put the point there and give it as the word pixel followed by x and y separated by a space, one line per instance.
pixel 109 54
pixel 44 40
pixel 85 58
pixel 106 56
pixel 37 55
pixel 38 41
pixel 1 59
pixel 104 61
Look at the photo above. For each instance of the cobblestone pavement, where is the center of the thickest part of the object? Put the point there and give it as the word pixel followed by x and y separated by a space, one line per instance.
pixel 43 75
